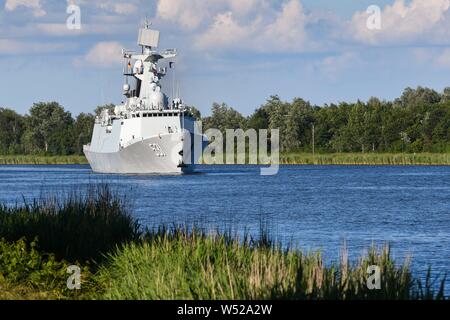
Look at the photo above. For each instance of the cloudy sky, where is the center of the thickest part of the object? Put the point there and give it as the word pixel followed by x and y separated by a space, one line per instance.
pixel 234 51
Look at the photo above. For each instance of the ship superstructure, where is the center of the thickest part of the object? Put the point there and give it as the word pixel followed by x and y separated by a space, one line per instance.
pixel 148 133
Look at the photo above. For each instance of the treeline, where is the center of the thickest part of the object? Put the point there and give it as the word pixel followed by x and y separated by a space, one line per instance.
pixel 418 121
pixel 48 129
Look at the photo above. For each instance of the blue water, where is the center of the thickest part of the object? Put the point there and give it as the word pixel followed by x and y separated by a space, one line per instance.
pixel 310 207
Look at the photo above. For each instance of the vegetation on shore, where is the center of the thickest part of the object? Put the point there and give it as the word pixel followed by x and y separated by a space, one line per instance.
pixel 390 159
pixel 293 158
pixel 188 264
pixel 41 160
pixel 121 260
pixel 77 227
pixel 416 122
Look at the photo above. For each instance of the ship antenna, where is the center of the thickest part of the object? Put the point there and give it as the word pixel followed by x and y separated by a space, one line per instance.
pixel 173 84
pixel 147 23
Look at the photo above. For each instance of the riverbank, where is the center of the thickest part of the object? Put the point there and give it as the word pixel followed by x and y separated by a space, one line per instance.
pixel 41 160
pixel 120 260
pixel 390 159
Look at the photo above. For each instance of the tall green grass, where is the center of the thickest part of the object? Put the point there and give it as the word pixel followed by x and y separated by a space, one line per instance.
pixel 189 264
pixel 393 159
pixel 76 227
pixel 41 160
pixel 285 158
pixel 366 159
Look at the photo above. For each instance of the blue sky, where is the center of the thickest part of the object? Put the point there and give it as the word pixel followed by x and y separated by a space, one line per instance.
pixel 233 51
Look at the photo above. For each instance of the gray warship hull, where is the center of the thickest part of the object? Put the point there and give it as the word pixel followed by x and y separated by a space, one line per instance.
pixel 156 155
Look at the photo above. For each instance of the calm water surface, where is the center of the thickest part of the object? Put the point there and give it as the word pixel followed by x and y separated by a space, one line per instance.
pixel 311 207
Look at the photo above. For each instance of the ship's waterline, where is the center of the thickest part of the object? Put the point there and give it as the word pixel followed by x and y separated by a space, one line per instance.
pixel 161 154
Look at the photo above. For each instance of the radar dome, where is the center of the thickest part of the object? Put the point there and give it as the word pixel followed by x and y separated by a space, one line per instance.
pixel 157 99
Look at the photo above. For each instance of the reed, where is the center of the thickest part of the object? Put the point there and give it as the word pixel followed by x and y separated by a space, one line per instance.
pixel 41 160
pixel 79 226
pixel 392 159
pixel 179 263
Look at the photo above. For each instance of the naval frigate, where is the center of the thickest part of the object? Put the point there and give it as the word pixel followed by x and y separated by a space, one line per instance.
pixel 148 133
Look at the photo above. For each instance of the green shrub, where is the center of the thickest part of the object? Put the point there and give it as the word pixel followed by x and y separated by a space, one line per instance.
pixel 26 273
pixel 79 227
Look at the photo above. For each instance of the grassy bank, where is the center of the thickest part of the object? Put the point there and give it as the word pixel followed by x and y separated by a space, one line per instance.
pixel 120 260
pixel 393 159
pixel 41 160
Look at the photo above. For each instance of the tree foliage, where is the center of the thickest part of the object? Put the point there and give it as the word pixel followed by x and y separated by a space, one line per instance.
pixel 48 129
pixel 418 121
pixel 11 130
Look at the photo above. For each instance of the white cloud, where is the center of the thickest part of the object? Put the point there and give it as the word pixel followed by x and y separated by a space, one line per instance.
pixel 56 29
pixel 60 29
pixel 190 14
pixel 269 31
pixel 287 32
pixel 122 8
pixel 225 32
pixel 110 6
pixel 103 55
pixel 16 47
pixel 436 57
pixel 403 23
pixel 332 66
pixel 35 5
pixel 443 59
pixel 187 13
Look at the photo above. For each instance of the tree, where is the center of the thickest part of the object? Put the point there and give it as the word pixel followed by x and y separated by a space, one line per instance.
pixel 196 113
pixel 417 121
pixel 11 131
pixel 414 97
pixel 49 129
pixel 110 107
pixel 278 111
pixel 446 95
pixel 299 120
pixel 82 131
pixel 259 120
pixel 224 117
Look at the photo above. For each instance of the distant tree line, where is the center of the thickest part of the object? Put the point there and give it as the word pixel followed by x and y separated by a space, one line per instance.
pixel 418 121
pixel 47 129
